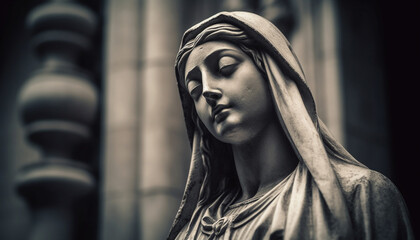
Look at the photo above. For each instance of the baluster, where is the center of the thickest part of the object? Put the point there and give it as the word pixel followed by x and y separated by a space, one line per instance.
pixel 58 105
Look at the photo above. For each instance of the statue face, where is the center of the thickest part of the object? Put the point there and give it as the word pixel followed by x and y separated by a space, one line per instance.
pixel 230 95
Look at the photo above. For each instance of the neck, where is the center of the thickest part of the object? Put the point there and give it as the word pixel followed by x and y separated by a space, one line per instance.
pixel 263 161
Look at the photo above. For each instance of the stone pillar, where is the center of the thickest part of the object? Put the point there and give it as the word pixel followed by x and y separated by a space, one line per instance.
pixel 58 104
pixel 165 152
pixel 146 150
pixel 328 65
pixel 315 42
pixel 121 146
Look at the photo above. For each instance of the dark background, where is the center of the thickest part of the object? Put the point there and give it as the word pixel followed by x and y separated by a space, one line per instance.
pixel 401 56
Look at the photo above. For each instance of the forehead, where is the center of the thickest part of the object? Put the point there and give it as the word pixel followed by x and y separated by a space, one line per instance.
pixel 200 53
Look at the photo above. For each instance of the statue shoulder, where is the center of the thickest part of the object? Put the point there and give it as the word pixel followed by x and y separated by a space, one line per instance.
pixel 354 179
pixel 375 205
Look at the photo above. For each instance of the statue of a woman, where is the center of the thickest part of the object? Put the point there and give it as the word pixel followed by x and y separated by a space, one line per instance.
pixel 263 164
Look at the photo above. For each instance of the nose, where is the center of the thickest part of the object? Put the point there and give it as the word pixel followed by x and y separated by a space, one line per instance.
pixel 212 96
pixel 210 92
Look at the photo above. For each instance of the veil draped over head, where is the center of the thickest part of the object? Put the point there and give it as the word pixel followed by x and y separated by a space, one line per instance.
pixel 321 201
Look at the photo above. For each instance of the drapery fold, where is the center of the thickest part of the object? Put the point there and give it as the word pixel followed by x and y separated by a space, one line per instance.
pixel 327 198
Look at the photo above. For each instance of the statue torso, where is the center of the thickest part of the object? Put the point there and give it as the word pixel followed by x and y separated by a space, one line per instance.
pixel 255 218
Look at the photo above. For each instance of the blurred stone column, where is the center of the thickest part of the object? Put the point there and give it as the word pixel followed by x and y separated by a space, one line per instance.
pixel 120 160
pixel 146 151
pixel 329 79
pixel 315 42
pixel 164 147
pixel 58 104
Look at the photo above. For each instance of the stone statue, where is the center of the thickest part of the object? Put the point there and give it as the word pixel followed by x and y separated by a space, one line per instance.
pixel 263 164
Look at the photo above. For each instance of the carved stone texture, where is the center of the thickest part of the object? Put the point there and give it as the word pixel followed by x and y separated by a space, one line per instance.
pixel 58 105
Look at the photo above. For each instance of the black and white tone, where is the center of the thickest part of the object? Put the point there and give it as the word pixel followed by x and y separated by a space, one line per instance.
pixel 208 119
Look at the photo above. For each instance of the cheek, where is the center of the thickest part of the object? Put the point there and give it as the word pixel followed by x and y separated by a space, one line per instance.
pixel 255 99
pixel 253 92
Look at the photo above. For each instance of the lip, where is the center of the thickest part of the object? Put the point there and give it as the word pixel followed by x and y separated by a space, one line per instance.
pixel 221 116
pixel 217 114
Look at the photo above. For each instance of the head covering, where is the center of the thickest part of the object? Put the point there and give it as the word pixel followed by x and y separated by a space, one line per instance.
pixel 316 207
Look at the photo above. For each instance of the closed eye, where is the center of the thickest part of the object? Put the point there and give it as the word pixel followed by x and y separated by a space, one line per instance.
pixel 227 65
pixel 195 88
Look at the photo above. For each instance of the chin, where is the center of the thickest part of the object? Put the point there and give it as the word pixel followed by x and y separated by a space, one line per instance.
pixel 233 135
pixel 232 130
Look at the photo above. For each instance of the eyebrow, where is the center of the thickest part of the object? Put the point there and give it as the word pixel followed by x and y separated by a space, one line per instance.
pixel 211 55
